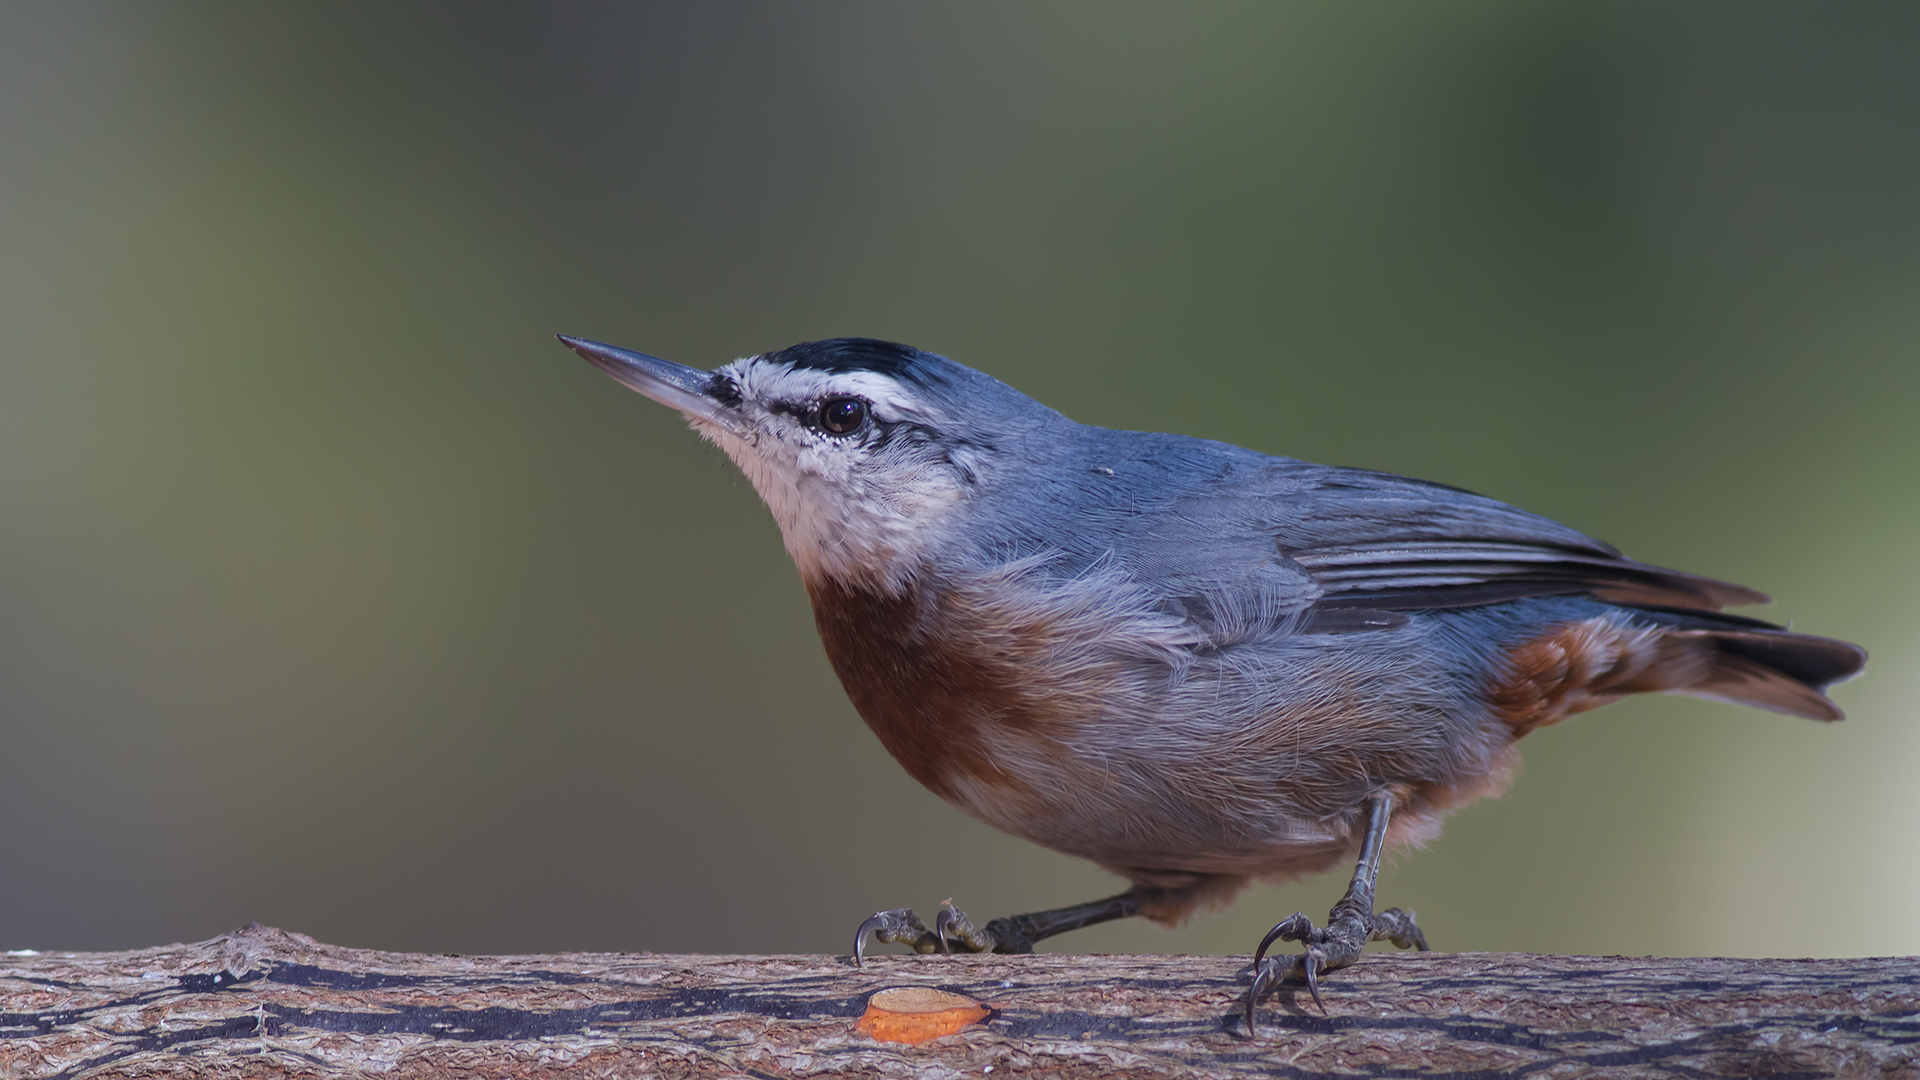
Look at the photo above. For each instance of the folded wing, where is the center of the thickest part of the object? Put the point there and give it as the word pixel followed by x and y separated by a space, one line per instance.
pixel 1389 543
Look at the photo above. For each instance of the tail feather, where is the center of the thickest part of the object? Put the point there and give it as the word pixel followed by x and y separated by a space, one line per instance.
pixel 1819 662
pixel 1742 681
pixel 1570 667
pixel 1753 663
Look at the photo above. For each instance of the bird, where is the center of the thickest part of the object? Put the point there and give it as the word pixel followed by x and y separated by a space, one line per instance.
pixel 1192 664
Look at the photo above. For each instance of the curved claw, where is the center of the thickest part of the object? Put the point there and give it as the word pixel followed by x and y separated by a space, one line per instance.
pixel 894 925
pixel 947 920
pixel 1311 962
pixel 1264 980
pixel 878 920
pixel 1294 927
pixel 1266 943
pixel 1266 973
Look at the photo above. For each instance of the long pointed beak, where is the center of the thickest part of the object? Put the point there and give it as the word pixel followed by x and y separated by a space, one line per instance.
pixel 674 385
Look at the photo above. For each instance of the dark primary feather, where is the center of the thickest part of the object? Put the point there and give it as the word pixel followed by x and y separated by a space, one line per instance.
pixel 1389 543
pixel 1277 532
pixel 1402 576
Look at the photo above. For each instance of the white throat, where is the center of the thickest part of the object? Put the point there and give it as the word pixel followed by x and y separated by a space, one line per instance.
pixel 853 513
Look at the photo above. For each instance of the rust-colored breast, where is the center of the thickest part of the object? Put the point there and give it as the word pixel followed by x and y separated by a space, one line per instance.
pixel 921 680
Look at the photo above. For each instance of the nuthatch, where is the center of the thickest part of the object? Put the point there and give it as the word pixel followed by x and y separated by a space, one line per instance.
pixel 1192 664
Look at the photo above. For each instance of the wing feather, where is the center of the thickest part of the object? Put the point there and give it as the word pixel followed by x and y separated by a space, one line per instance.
pixel 1352 548
pixel 1390 543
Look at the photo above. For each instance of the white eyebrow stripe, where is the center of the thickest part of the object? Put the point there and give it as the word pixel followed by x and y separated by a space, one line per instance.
pixel 762 381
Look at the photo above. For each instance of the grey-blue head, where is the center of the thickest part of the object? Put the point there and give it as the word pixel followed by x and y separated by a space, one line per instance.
pixel 861 448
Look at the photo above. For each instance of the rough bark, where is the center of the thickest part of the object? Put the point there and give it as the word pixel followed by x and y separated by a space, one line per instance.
pixel 263 1002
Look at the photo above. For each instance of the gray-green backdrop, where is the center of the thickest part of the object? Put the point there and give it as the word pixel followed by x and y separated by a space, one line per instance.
pixel 336 595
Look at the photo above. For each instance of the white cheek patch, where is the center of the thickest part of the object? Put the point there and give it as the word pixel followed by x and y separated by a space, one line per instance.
pixel 844 510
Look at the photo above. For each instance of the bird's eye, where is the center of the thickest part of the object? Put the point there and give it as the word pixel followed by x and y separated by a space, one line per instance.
pixel 841 415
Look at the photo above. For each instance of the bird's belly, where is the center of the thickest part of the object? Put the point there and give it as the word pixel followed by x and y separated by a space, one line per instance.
pixel 1212 778
pixel 1256 766
pixel 1120 818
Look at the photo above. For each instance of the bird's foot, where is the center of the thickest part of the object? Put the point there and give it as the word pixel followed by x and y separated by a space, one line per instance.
pixel 899 926
pixel 1328 948
pixel 1350 925
pixel 952 931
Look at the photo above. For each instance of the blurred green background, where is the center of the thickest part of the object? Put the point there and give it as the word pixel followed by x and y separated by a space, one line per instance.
pixel 336 595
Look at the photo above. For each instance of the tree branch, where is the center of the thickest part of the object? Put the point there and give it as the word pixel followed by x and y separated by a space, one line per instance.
pixel 264 1002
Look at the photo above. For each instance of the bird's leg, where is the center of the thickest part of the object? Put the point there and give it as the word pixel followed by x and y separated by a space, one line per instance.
pixel 952 930
pixel 1019 933
pixel 1350 925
